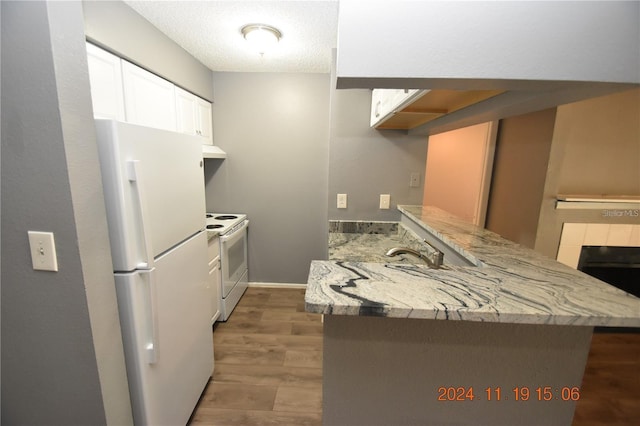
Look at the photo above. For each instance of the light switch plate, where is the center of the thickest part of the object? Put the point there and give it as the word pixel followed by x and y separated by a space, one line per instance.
pixel 43 251
pixel 342 201
pixel 385 200
pixel 414 180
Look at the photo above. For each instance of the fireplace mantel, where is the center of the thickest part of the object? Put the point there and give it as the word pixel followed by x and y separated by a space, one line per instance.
pixel 597 202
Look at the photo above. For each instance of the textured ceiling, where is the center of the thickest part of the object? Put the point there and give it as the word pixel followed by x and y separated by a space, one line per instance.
pixel 210 31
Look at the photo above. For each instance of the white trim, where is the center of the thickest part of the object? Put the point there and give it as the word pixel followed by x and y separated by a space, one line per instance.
pixel 277 285
pixel 480 213
pixel 596 205
pixel 601 199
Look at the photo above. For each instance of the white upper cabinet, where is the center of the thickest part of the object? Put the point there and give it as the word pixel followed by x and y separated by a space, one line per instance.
pixel 385 101
pixel 194 115
pixel 205 121
pixel 125 92
pixel 409 108
pixel 186 111
pixel 105 75
pixel 149 99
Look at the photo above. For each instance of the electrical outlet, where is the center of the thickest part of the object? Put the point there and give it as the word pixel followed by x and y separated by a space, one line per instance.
pixel 43 251
pixel 342 201
pixel 385 200
pixel 414 181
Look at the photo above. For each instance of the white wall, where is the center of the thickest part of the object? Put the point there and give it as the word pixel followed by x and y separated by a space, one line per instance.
pixel 516 42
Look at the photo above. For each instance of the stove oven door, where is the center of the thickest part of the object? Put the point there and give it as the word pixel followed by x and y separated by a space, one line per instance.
pixel 233 257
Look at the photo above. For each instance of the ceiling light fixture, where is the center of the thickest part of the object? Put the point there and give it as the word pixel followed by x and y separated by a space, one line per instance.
pixel 261 37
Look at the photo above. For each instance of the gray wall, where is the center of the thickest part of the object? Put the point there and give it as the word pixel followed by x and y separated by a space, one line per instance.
pixel 62 358
pixel 364 162
pixel 274 129
pixel 118 28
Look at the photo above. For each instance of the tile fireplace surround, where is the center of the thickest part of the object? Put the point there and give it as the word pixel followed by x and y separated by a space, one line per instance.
pixel 576 235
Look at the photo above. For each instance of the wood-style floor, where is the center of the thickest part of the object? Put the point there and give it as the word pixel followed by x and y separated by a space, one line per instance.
pixel 268 364
pixel 610 393
pixel 268 369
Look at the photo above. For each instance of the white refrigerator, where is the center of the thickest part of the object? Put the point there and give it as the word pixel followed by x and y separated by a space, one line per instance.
pixel 154 193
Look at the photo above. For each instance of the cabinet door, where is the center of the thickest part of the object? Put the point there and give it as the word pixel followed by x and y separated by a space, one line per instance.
pixel 215 278
pixel 149 99
pixel 186 112
pixel 214 282
pixel 384 102
pixel 194 115
pixel 105 75
pixel 205 123
pixel 379 106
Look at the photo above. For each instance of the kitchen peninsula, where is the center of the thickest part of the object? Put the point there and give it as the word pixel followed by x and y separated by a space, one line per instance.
pixel 502 340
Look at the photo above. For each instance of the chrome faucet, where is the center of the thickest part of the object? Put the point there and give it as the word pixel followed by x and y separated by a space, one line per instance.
pixel 434 260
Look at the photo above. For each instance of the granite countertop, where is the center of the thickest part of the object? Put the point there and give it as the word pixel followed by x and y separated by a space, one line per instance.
pixel 510 284
pixel 370 241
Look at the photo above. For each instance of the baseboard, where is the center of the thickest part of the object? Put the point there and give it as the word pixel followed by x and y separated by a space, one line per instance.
pixel 277 285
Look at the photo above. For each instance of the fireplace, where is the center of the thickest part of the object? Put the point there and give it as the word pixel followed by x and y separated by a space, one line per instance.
pixel 618 266
pixel 609 252
pixel 575 236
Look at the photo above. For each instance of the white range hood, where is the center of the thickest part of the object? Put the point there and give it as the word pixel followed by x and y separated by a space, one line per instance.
pixel 212 151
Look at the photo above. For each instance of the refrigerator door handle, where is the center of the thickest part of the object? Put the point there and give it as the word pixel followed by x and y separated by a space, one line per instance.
pixel 134 175
pixel 151 344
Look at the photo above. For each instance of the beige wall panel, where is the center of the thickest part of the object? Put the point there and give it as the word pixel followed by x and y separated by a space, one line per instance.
pixel 520 167
pixel 455 170
pixel 602 145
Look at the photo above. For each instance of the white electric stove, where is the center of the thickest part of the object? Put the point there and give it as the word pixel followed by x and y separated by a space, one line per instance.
pixel 232 228
pixel 224 222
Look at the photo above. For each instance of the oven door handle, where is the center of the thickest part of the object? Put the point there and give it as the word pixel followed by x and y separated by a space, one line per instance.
pixel 235 235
